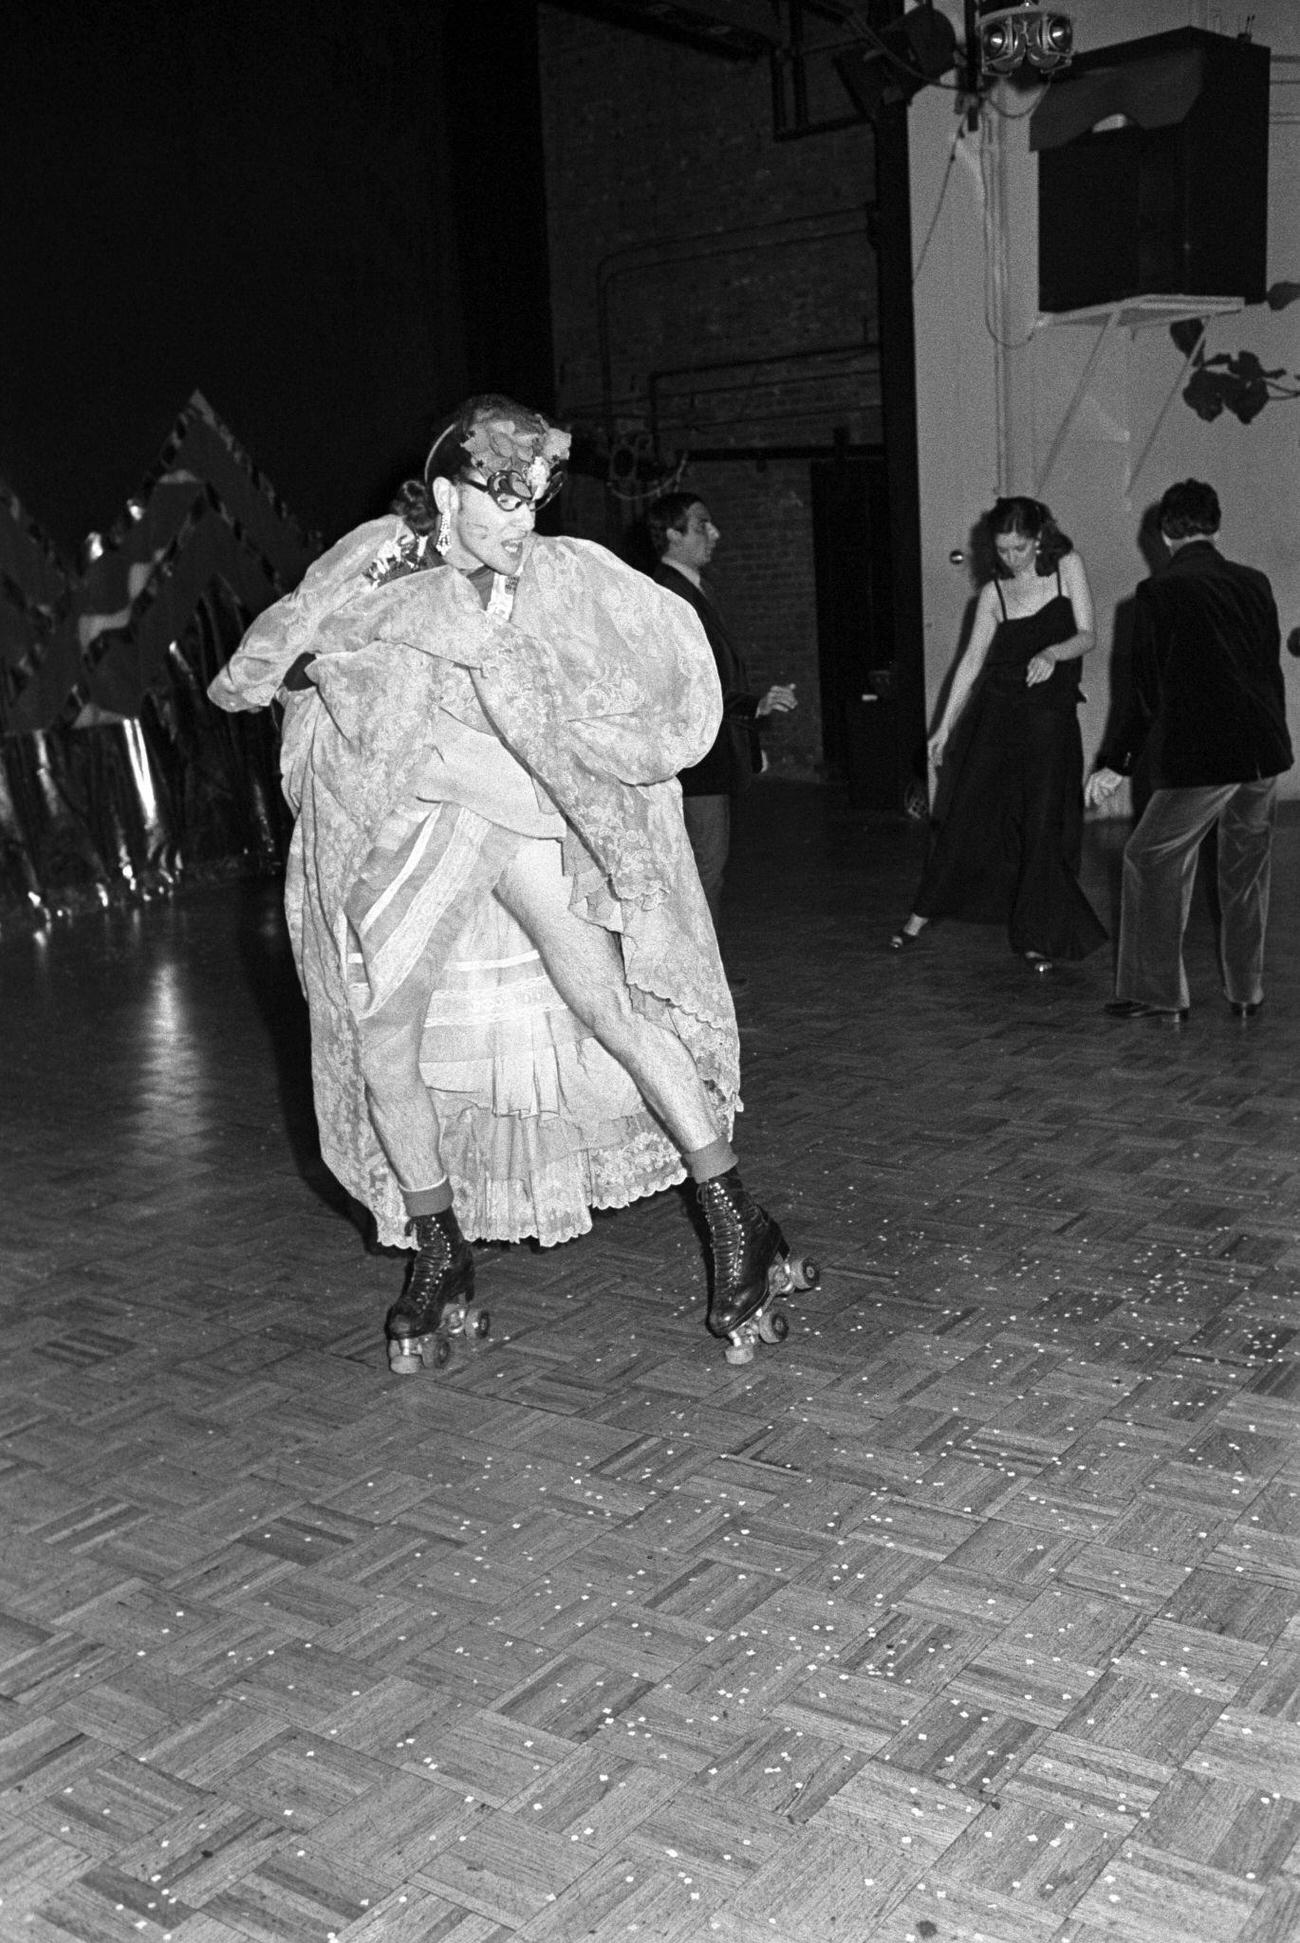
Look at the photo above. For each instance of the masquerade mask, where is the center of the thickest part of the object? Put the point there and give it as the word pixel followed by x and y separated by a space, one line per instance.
pixel 513 489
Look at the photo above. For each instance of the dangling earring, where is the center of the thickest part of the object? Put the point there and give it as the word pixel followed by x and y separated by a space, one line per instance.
pixel 442 541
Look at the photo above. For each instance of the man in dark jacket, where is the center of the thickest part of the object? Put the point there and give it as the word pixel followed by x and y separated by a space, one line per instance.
pixel 684 537
pixel 1208 715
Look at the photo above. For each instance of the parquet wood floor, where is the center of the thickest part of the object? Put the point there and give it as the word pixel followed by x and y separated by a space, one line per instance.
pixel 970 1613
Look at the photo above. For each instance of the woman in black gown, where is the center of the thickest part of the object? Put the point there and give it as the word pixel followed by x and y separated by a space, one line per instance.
pixel 1008 849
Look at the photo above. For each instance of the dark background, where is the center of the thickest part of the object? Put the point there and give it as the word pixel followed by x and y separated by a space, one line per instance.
pixel 327 218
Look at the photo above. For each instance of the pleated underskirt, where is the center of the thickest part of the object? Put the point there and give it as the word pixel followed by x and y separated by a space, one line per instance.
pixel 539 1124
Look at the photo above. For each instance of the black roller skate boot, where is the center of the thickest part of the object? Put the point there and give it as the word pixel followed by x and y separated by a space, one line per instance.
pixel 751 1268
pixel 438 1299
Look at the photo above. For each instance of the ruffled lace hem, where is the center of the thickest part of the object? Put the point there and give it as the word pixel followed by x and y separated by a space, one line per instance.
pixel 553 1202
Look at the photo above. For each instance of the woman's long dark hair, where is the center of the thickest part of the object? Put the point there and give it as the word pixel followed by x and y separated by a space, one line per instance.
pixel 448 457
pixel 1032 520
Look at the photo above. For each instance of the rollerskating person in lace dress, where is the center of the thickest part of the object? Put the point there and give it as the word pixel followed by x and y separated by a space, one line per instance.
pixel 518 1010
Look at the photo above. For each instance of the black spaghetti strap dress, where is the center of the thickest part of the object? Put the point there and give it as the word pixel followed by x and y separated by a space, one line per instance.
pixel 1007 850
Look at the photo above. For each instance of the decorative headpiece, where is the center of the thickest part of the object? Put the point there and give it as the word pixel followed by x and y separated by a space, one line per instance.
pixel 520 458
pixel 502 445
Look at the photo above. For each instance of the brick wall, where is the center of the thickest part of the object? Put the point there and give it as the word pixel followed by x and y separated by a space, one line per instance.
pixel 713 291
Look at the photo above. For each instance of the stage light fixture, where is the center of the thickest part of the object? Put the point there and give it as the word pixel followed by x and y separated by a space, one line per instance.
pixel 892 66
pixel 1049 41
pixel 1011 37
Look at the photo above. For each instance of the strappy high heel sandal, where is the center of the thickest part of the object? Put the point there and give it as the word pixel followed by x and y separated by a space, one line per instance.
pixel 903 939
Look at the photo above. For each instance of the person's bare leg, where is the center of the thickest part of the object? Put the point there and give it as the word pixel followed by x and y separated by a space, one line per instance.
pixel 585 964
pixel 440 1275
pixel 401 1110
pixel 748 1256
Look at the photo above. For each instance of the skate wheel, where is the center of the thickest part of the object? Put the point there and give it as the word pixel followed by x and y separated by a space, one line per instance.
pixel 477 1322
pixel 804 1274
pixel 774 1327
pixel 779 1279
pixel 436 1352
pixel 739 1352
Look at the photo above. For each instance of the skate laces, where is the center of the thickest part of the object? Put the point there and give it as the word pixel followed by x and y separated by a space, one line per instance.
pixel 431 1269
pixel 726 1231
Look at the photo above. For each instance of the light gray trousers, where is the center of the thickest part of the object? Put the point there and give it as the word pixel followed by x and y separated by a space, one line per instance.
pixel 1159 872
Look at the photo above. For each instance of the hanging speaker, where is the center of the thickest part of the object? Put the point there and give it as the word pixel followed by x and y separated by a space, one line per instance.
pixel 1153 172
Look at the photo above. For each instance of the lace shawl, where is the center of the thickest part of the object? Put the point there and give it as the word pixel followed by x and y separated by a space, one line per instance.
pixel 600 683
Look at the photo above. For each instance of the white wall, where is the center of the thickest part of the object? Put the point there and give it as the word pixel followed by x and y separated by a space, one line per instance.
pixel 989 412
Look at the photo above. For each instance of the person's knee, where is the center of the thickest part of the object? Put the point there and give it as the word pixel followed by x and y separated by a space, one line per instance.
pixel 389 1051
pixel 1154 850
pixel 1248 835
pixel 606 1008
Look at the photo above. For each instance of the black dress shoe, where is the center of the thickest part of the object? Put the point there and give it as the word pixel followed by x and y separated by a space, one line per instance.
pixel 1245 1008
pixel 1136 1008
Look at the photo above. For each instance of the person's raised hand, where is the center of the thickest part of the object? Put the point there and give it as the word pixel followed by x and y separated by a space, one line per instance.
pixel 1101 784
pixel 779 698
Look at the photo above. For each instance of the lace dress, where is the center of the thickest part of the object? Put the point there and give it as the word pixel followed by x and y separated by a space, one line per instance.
pixel 602 686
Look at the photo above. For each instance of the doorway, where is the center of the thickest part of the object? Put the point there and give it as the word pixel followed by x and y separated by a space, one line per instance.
pixel 868 700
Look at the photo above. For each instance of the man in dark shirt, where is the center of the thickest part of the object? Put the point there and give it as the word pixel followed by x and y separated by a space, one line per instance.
pixel 1208 717
pixel 684 536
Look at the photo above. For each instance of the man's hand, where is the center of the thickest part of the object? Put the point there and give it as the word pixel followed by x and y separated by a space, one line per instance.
pixel 1101 784
pixel 936 745
pixel 779 698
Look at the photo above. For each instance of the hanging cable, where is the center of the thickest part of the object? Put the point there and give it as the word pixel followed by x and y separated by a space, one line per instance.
pixel 938 207
pixel 994 281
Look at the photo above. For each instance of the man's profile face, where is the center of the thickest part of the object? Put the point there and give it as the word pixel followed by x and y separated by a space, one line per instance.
pixel 692 544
